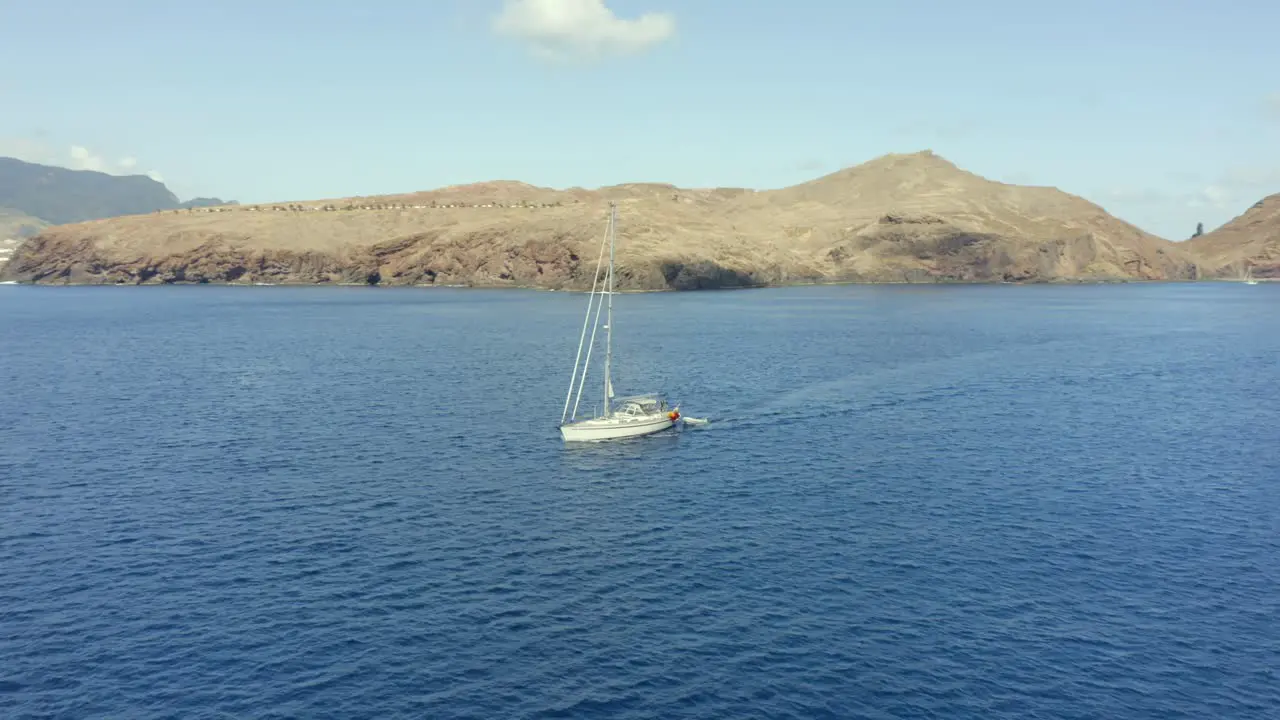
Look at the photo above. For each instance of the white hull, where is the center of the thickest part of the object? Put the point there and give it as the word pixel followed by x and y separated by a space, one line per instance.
pixel 614 429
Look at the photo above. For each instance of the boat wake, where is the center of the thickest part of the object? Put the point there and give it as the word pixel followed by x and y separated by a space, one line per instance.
pixel 822 401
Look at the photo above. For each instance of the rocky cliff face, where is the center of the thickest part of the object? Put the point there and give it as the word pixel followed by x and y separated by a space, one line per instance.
pixel 899 218
pixel 1250 242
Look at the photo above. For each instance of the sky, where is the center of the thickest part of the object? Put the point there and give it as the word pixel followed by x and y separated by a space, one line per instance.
pixel 1164 112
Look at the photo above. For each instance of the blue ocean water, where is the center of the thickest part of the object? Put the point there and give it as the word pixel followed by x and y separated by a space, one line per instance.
pixel 960 502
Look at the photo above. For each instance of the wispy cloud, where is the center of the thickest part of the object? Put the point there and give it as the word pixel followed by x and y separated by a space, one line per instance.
pixel 75 157
pixel 81 158
pixel 1254 178
pixel 27 149
pixel 567 29
pixel 1234 189
pixel 1018 177
pixel 1216 197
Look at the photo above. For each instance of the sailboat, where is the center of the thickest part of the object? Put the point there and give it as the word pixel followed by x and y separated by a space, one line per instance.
pixel 625 417
pixel 1248 276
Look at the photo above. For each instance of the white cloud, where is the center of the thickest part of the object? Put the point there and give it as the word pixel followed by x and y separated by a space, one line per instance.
pixel 75 157
pixel 82 159
pixel 563 28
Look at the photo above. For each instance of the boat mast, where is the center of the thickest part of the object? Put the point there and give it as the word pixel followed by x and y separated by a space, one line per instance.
pixel 608 338
pixel 595 280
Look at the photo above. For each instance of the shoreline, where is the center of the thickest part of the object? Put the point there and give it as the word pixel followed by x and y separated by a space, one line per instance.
pixel 1045 283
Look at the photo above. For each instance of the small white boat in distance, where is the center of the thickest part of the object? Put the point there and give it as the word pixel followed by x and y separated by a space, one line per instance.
pixel 627 417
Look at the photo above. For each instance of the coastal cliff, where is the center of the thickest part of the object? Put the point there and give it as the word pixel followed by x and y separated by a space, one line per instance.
pixel 899 218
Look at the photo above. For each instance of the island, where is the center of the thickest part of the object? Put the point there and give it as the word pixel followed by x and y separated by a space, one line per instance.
pixel 900 218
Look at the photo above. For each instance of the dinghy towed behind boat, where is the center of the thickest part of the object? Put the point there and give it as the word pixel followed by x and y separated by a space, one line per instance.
pixel 625 417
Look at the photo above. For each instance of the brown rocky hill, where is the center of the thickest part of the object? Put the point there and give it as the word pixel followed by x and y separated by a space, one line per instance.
pixel 899 218
pixel 1251 240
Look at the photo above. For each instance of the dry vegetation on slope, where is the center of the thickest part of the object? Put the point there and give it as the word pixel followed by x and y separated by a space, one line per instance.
pixel 913 218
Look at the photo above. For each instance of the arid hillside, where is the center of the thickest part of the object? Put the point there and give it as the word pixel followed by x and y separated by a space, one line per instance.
pixel 1250 241
pixel 899 218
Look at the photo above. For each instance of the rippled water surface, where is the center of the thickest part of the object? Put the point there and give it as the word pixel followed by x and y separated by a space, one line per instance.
pixel 961 502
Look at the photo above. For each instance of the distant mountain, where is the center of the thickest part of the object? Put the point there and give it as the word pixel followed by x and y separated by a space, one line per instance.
pixel 206 202
pixel 58 196
pixel 1251 240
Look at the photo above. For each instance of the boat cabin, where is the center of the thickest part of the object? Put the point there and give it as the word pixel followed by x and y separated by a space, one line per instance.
pixel 641 405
